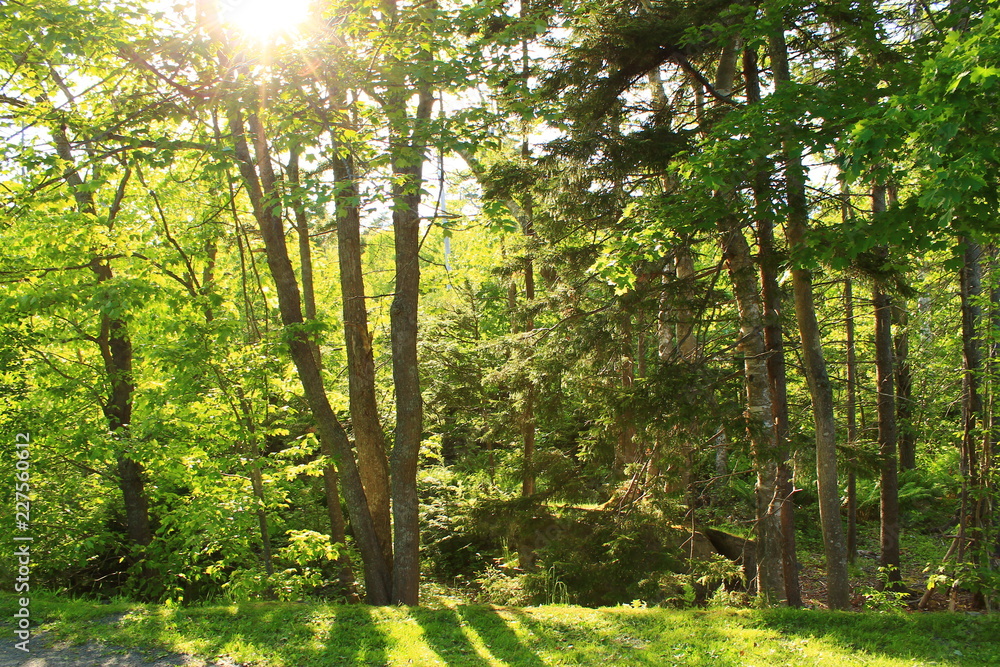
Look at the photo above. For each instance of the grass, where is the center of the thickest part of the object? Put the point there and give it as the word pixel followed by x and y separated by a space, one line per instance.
pixel 307 634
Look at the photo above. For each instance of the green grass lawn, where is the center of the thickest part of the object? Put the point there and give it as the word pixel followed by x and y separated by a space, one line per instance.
pixel 304 634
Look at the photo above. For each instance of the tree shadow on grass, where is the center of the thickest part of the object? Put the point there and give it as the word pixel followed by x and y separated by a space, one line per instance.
pixel 329 635
pixel 443 632
pixel 617 642
pixel 499 637
pixel 334 635
pixel 352 637
pixel 938 637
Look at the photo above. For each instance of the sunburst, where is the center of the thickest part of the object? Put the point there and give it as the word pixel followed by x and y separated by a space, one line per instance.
pixel 268 20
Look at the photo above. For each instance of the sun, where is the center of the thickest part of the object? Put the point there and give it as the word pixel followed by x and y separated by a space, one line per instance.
pixel 267 20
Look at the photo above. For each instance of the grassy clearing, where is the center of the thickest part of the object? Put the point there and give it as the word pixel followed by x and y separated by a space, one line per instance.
pixel 306 634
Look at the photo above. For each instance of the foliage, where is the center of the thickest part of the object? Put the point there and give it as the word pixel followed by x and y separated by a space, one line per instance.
pixel 583 149
pixel 882 598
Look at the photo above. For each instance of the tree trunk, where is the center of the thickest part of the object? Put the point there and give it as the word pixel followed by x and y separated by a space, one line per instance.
pixel 260 185
pixel 528 414
pixel 331 480
pixel 838 586
pixel 886 407
pixel 116 351
pixel 687 345
pixel 904 388
pixel 409 419
pixel 369 437
pixel 407 146
pixel 774 344
pixel 760 415
pixel 305 246
pixel 988 475
pixel 971 288
pixel 852 423
pixel 257 483
pixel 526 546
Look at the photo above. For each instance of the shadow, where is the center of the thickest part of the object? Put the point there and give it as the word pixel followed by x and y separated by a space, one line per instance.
pixel 289 634
pixel 933 637
pixel 350 636
pixel 354 635
pixel 443 632
pixel 615 639
pixel 498 636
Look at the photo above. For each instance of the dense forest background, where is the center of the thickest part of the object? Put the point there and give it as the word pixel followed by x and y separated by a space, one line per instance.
pixel 541 302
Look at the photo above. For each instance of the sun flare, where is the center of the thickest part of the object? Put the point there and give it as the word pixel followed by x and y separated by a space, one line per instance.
pixel 268 20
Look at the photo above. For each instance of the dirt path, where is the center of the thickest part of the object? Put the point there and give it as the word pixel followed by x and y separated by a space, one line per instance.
pixel 48 654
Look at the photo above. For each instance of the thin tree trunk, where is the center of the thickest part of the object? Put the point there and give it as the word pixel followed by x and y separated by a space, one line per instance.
pixel 305 246
pixel 904 389
pixel 257 483
pixel 852 424
pixel 988 471
pixel 252 449
pixel 774 344
pixel 528 413
pixel 528 228
pixel 886 406
pixel 760 415
pixel 838 586
pixel 972 408
pixel 331 479
pixel 526 547
pixel 687 345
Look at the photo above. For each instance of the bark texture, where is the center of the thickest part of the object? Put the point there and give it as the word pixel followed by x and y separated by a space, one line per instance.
pixel 369 437
pixel 852 420
pixel 408 142
pixel 838 586
pixel 759 413
pixel 904 388
pixel 886 406
pixel 774 344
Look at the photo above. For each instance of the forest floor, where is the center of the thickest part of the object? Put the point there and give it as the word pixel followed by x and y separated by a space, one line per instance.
pixel 921 553
pixel 275 634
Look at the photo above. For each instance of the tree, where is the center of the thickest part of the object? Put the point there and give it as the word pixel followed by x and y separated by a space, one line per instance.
pixel 838 587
